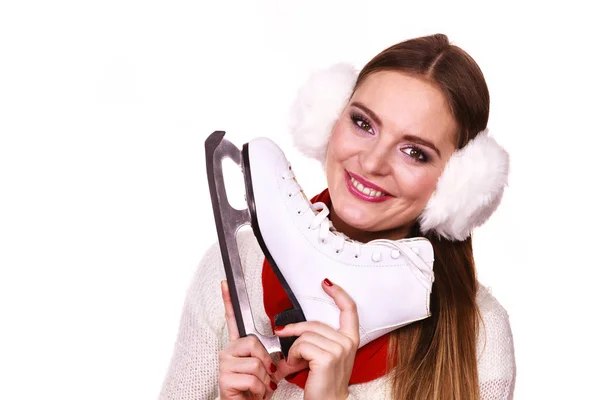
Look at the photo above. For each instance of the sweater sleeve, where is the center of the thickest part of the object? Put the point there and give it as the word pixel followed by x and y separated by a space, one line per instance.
pixel 193 372
pixel 495 349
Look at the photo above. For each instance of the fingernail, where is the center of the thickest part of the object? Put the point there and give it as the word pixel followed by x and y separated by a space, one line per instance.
pixel 278 328
pixel 273 368
pixel 273 385
pixel 328 282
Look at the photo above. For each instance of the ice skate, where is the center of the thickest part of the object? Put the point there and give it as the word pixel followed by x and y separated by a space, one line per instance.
pixel 390 281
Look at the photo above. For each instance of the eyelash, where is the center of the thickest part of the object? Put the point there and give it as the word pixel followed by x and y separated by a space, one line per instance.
pixel 359 118
pixel 422 158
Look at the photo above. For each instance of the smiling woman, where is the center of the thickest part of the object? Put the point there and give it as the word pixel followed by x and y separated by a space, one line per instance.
pixel 407 154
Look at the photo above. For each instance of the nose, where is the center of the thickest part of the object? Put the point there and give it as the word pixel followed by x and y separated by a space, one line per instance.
pixel 375 160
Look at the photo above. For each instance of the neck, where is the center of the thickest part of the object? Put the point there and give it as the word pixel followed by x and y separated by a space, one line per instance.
pixel 359 235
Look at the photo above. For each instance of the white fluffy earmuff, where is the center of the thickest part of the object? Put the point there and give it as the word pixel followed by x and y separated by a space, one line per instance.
pixel 470 187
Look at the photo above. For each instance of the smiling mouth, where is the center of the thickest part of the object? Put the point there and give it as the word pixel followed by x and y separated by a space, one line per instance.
pixel 366 188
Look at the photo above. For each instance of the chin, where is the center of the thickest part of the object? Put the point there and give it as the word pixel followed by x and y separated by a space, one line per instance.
pixel 356 216
pixel 361 216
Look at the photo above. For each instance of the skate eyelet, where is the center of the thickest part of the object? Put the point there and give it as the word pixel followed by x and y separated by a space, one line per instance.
pixel 355 256
pixel 337 252
pixel 289 195
pixel 299 212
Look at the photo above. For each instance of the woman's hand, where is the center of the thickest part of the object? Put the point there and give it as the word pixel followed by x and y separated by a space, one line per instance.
pixel 329 353
pixel 245 367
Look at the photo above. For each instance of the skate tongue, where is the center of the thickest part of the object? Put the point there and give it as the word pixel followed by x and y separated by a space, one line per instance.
pixel 305 198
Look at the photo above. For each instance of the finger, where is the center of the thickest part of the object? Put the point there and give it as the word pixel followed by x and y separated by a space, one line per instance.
pixel 250 346
pixel 271 387
pixel 347 306
pixel 317 327
pixel 304 351
pixel 247 366
pixel 332 345
pixel 229 314
pixel 335 350
pixel 245 383
pixel 284 368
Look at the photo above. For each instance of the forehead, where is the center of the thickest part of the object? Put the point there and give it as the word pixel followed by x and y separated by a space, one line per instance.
pixel 408 104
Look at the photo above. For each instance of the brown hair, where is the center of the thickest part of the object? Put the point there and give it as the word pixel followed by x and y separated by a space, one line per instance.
pixel 436 358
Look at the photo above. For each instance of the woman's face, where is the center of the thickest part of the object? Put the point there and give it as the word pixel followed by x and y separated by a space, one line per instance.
pixel 386 153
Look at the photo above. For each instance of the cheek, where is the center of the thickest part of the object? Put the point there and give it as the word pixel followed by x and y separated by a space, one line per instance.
pixel 338 143
pixel 417 184
pixel 340 146
pixel 332 156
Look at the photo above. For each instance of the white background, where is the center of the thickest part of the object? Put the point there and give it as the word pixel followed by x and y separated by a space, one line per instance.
pixel 104 204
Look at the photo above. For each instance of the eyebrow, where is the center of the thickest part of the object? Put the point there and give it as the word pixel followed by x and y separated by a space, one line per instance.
pixel 424 142
pixel 367 111
pixel 371 114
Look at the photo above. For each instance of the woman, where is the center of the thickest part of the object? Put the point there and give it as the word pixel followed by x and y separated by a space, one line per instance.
pixel 403 133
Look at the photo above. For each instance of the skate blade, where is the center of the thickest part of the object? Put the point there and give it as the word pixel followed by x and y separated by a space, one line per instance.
pixel 228 221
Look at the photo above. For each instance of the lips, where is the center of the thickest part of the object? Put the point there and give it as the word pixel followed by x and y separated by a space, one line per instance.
pixel 364 189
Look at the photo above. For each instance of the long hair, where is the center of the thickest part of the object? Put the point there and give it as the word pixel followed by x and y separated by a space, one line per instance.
pixel 436 358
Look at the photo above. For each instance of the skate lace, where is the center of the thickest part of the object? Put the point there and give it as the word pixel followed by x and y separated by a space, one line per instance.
pixel 325 226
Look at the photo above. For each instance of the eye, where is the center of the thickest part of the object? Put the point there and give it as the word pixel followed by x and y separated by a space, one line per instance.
pixel 362 123
pixel 416 154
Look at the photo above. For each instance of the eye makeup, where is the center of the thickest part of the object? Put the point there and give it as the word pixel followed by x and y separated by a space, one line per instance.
pixel 422 156
pixel 364 125
pixel 359 122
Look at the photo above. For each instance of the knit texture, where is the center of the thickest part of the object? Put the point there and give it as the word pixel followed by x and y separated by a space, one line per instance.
pixel 193 372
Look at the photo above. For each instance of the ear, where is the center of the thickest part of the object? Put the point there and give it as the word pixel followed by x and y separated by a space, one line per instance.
pixel 469 190
pixel 317 107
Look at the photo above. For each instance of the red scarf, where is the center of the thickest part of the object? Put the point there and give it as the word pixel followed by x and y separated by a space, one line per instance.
pixel 370 360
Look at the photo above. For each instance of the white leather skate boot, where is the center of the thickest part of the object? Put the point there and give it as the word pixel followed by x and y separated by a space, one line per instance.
pixel 390 281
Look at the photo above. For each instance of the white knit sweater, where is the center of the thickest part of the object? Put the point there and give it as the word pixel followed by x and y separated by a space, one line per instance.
pixel 193 372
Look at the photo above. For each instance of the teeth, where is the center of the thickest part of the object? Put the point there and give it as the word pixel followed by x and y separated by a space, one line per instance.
pixel 366 190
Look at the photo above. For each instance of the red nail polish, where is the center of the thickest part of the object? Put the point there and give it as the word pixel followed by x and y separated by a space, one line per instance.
pixel 278 328
pixel 273 368
pixel 273 385
pixel 328 282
